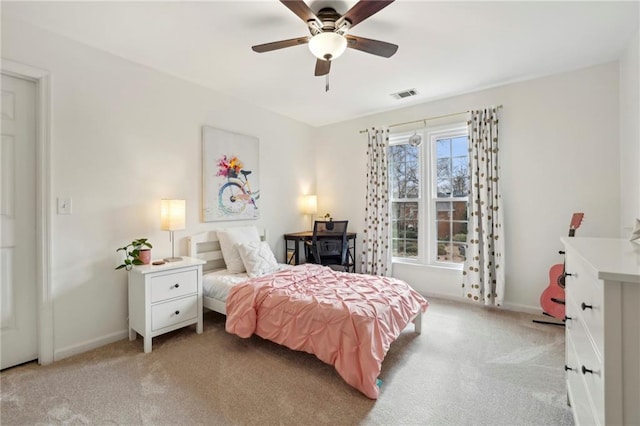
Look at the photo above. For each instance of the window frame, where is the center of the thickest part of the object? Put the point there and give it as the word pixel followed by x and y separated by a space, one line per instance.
pixel 427 198
pixel 453 130
pixel 403 139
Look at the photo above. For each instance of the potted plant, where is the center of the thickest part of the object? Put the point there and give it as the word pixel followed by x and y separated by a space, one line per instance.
pixel 137 252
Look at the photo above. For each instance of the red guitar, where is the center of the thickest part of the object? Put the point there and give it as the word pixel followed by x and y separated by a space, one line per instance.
pixel 552 298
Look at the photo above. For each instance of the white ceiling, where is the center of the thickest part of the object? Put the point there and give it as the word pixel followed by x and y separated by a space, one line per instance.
pixel 446 48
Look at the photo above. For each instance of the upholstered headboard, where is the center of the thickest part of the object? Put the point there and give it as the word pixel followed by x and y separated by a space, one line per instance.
pixel 206 246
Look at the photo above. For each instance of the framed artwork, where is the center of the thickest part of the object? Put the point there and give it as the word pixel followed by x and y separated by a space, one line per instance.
pixel 230 178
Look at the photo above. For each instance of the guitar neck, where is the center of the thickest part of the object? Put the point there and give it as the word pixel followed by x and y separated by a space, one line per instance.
pixel 576 221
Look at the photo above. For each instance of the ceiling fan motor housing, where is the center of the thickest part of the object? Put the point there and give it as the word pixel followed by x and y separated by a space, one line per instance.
pixel 330 21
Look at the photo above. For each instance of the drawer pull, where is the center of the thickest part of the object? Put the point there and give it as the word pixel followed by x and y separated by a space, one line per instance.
pixel 584 306
pixel 566 274
pixel 566 318
pixel 178 313
pixel 585 370
pixel 176 285
pixel 567 368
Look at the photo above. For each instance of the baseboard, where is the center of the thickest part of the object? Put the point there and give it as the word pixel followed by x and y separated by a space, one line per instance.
pixel 535 310
pixel 62 353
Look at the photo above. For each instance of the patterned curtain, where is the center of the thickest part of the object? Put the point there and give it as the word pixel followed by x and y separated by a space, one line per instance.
pixel 483 274
pixel 375 248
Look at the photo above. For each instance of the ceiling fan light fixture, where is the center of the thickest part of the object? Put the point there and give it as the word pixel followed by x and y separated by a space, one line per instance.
pixel 328 45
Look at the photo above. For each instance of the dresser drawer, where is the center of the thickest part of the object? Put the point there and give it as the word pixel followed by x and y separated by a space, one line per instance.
pixel 168 286
pixel 173 312
pixel 579 399
pixel 584 356
pixel 585 299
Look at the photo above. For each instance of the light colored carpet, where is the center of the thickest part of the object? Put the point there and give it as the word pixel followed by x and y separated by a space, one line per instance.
pixel 470 365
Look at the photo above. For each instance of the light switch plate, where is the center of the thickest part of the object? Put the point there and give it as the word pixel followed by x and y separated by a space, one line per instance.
pixel 64 205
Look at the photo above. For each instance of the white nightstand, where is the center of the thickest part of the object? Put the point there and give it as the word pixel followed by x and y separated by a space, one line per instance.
pixel 163 298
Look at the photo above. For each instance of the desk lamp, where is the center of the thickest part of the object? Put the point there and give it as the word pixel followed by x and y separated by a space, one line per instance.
pixel 172 218
pixel 310 207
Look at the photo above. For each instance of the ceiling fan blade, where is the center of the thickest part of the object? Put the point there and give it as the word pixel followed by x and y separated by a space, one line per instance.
pixel 301 9
pixel 275 45
pixel 364 9
pixel 322 67
pixel 375 47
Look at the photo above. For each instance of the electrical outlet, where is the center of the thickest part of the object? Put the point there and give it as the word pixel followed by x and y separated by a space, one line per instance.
pixel 64 205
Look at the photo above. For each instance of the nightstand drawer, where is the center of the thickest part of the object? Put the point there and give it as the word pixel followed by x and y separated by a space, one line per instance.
pixel 173 312
pixel 168 286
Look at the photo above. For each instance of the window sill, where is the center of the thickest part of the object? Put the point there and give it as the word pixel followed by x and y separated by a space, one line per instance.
pixel 440 267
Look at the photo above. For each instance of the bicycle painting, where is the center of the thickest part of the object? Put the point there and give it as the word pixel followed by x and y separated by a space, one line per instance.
pixel 230 179
pixel 236 194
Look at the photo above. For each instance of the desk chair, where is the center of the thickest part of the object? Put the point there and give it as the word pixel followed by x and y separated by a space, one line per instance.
pixel 329 245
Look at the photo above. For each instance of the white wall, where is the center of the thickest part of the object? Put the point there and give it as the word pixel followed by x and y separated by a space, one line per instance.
pixel 559 155
pixel 123 137
pixel 629 137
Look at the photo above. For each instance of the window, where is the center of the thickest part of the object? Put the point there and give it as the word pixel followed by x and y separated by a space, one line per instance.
pixel 404 179
pixel 429 186
pixel 451 195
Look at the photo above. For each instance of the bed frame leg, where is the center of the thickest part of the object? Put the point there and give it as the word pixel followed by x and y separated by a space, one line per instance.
pixel 417 322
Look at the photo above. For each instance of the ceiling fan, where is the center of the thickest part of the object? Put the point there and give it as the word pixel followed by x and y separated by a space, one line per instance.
pixel 329 38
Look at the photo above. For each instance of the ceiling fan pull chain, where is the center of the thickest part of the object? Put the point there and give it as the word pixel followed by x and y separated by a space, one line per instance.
pixel 326 83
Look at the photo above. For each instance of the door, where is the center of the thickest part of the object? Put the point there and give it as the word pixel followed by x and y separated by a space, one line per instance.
pixel 18 268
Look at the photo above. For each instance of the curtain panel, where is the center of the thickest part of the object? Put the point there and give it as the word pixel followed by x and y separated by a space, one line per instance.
pixel 483 272
pixel 375 248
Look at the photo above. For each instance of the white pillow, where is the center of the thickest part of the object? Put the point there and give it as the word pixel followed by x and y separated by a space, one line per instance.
pixel 229 238
pixel 258 258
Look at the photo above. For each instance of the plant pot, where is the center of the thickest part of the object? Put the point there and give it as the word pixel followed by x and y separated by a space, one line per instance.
pixel 144 256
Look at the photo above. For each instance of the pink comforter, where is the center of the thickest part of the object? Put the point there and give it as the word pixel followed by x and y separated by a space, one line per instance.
pixel 346 320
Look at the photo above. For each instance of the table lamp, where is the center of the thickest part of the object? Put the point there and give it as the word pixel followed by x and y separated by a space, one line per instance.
pixel 310 206
pixel 172 218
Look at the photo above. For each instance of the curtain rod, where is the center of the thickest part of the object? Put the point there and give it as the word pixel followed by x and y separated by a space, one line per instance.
pixel 428 119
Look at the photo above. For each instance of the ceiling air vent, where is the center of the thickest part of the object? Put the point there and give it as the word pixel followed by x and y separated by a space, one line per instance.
pixel 405 94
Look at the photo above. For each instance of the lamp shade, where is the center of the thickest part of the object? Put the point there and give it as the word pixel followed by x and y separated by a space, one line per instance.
pixel 172 215
pixel 327 46
pixel 310 205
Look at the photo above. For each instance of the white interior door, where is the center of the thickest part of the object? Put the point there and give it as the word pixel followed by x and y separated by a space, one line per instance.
pixel 18 304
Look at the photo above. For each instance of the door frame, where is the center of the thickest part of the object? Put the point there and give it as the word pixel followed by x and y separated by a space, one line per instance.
pixel 42 79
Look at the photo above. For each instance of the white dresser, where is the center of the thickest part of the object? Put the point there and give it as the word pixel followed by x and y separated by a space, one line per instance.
pixel 163 298
pixel 603 330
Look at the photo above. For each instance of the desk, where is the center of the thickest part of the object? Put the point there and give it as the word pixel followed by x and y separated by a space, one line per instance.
pixel 292 254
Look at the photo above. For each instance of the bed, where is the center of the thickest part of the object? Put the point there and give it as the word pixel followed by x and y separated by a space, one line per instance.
pixel 346 320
